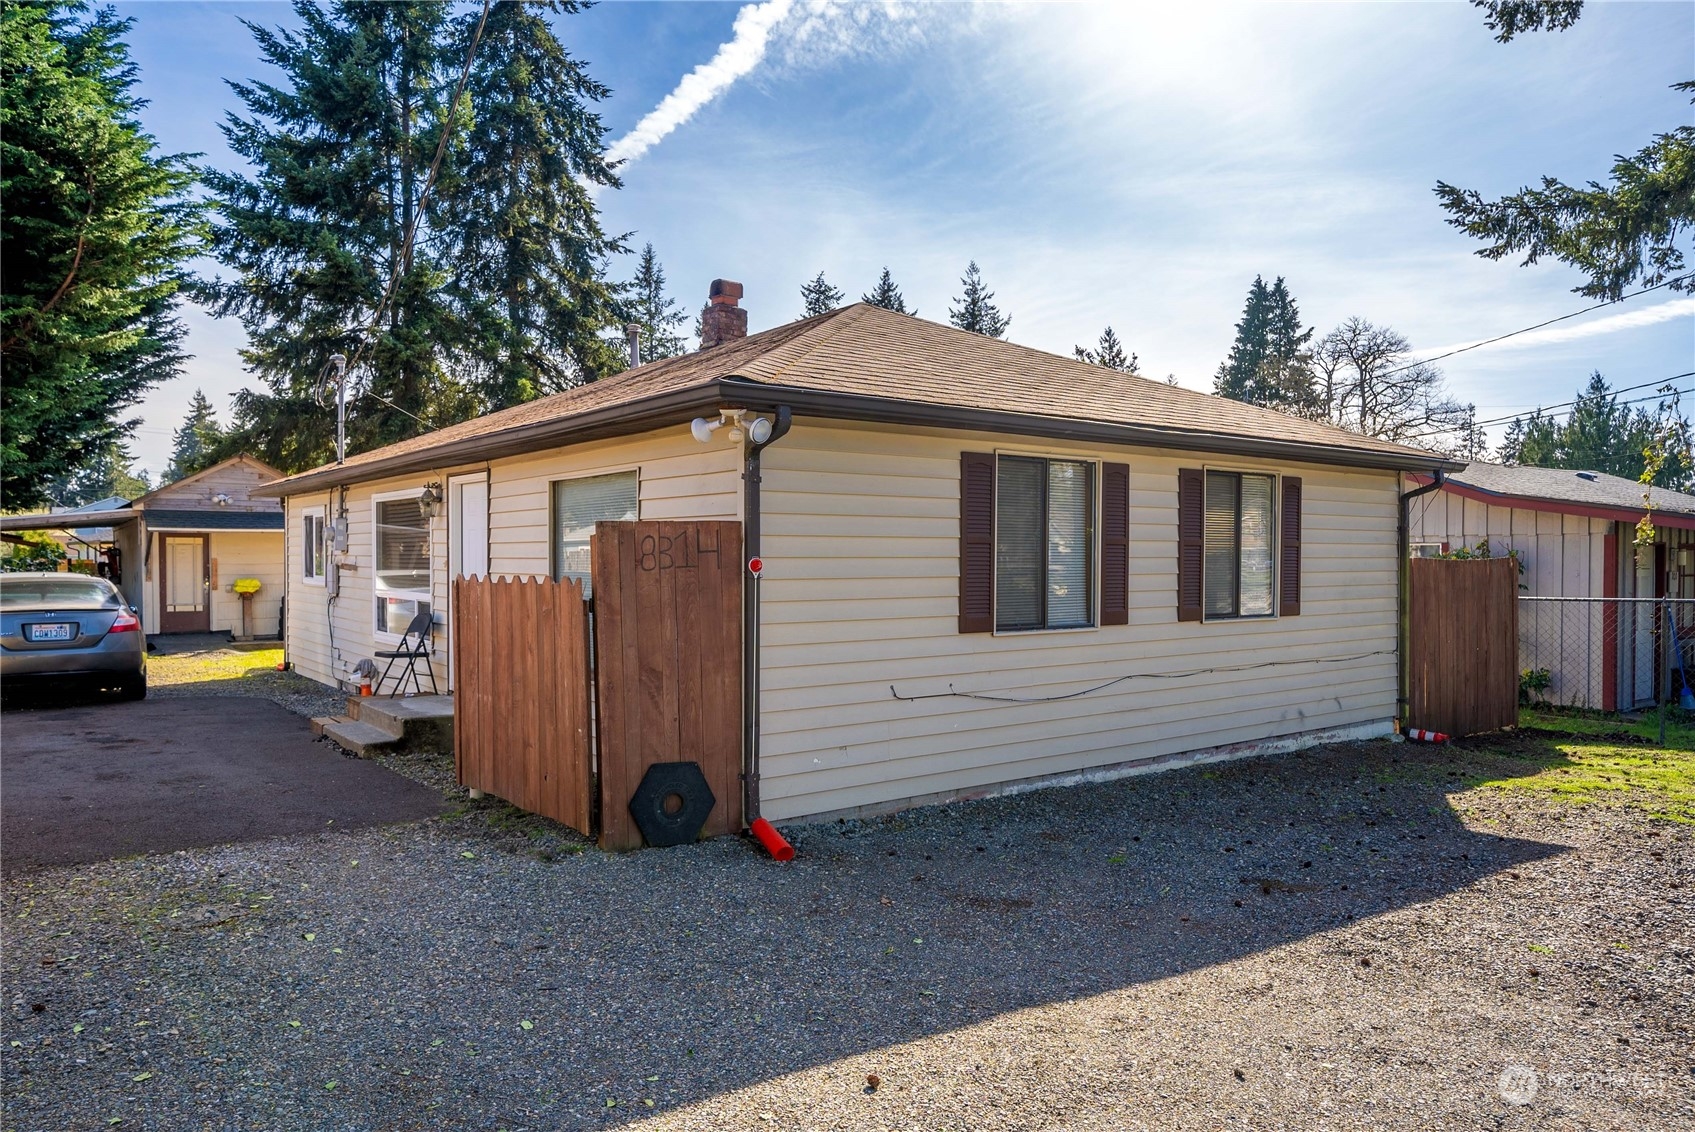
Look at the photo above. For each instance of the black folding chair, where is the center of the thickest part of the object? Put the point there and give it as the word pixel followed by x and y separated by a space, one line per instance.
pixel 411 653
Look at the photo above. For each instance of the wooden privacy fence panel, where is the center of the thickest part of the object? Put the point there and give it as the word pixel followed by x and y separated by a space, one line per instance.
pixel 1462 656
pixel 521 728
pixel 668 654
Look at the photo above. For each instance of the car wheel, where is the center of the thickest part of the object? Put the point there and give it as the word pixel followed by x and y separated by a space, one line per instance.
pixel 133 688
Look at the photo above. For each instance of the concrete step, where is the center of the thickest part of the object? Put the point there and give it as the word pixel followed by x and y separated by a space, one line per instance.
pixel 418 723
pixel 361 739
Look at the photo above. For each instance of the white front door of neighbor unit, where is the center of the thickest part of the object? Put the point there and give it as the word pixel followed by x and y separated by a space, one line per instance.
pixel 467 542
pixel 1643 636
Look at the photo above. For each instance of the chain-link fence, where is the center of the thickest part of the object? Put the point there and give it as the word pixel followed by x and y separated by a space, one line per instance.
pixel 1613 652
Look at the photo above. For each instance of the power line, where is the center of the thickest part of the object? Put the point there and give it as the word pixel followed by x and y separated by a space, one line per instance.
pixel 1556 417
pixel 1538 326
pixel 1564 404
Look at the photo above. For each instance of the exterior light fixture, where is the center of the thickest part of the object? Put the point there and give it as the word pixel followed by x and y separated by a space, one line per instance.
pixel 703 428
pixel 759 430
pixel 429 503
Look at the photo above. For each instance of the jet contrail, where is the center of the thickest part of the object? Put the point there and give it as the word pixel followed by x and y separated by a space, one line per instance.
pixel 734 59
pixel 1648 316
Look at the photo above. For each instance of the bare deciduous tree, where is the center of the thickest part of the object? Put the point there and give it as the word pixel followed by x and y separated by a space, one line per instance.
pixel 1365 382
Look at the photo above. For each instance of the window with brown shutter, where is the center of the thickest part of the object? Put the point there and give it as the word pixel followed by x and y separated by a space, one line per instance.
pixel 1289 550
pixel 976 542
pixel 1115 544
pixel 1191 541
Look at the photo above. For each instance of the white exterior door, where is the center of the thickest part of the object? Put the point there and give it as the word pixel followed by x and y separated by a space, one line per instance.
pixel 467 541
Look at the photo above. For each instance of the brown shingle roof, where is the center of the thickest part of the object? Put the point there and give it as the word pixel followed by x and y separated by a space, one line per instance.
pixel 866 362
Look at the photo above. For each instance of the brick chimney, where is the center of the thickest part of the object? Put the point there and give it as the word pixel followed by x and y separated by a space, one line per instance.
pixel 723 320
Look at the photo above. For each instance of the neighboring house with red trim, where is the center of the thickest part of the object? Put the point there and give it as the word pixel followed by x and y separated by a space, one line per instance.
pixel 984 565
pixel 1574 533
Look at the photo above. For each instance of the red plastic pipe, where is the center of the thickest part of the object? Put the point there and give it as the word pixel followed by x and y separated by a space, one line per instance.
pixel 775 843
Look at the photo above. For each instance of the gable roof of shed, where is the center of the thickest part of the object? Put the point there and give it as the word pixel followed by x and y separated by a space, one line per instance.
pixel 862 362
pixel 1578 490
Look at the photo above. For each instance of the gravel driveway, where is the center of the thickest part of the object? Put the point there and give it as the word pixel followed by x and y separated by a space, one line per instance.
pixel 1339 939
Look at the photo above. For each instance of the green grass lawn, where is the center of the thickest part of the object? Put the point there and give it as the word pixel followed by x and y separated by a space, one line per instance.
pixel 222 664
pixel 1588 758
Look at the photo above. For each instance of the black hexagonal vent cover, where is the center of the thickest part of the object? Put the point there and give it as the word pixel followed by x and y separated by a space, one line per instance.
pixel 672 804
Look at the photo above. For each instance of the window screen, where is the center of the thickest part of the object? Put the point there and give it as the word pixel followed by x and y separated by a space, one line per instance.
pixel 403 546
pixel 1240 575
pixel 1044 544
pixel 577 506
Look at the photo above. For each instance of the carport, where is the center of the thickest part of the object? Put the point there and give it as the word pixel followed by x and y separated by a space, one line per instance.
pixel 125 523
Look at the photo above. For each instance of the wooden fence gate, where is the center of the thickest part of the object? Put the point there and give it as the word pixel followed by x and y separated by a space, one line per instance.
pixel 664 664
pixel 521 725
pixel 668 651
pixel 1462 656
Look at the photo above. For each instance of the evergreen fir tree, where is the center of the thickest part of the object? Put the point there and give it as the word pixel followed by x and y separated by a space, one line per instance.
pixel 341 149
pixel 1109 354
pixel 1237 374
pixel 657 313
pixel 1601 435
pixel 109 471
pixel 888 296
pixel 976 311
pixel 818 297
pixel 195 445
pixel 1270 360
pixel 95 235
pixel 526 249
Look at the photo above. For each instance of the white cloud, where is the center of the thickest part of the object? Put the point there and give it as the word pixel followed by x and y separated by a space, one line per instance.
pixel 700 86
pixel 1562 332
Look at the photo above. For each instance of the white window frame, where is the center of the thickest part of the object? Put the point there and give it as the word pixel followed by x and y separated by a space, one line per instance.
pixel 553 570
pixel 1276 546
pixel 378 590
pixel 318 513
pixel 1094 625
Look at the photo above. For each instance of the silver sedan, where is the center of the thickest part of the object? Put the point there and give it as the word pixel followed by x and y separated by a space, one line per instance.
pixel 62 629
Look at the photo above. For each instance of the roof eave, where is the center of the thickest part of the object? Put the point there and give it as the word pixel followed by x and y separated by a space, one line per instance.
pixel 671 407
pixel 889 410
pixel 676 406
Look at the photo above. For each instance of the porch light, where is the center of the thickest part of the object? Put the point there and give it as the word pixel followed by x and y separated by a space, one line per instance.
pixel 429 503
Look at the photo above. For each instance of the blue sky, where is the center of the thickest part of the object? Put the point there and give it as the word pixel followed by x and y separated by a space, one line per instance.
pixel 1104 164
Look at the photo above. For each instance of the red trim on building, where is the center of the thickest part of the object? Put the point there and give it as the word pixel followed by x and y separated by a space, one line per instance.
pixel 1562 507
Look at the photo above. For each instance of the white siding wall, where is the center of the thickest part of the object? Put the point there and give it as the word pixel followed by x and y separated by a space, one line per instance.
pixel 246 554
pixel 861 543
pixel 679 477
pixel 1563 555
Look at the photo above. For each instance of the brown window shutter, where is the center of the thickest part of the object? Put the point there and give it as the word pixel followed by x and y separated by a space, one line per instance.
pixel 976 542
pixel 1115 544
pixel 1289 555
pixel 1191 525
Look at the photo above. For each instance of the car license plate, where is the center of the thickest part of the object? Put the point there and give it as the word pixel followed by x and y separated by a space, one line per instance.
pixel 61 632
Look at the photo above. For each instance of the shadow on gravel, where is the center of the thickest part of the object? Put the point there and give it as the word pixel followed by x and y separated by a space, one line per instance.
pixel 476 987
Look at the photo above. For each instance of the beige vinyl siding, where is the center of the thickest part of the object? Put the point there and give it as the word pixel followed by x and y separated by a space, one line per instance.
pixel 861 543
pixel 679 477
pixel 246 554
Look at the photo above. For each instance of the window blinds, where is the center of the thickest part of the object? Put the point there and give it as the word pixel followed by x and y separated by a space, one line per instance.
pixel 577 506
pixel 403 546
